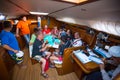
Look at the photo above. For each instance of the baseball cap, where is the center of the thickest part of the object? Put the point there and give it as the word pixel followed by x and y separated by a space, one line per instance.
pixel 114 51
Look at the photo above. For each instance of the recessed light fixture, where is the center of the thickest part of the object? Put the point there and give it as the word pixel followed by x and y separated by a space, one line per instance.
pixel 38 13
pixel 2 17
pixel 75 1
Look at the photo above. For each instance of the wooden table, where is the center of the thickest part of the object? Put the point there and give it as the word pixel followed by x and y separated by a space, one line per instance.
pixel 82 68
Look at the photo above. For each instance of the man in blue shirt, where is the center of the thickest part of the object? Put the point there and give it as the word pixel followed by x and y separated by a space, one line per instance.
pixel 10 43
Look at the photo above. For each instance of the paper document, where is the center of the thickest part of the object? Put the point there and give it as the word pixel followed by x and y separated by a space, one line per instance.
pixel 82 57
pixel 55 45
pixel 96 59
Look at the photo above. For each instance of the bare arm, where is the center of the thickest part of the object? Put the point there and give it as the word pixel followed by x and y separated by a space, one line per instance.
pixel 9 48
pixel 43 45
pixel 17 32
pixel 105 75
pixel 44 48
pixel 34 21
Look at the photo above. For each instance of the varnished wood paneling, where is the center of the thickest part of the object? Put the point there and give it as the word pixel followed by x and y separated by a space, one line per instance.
pixel 21 42
pixel 51 22
pixel 78 71
pixel 6 64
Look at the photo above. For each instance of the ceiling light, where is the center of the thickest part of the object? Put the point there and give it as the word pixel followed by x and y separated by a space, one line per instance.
pixel 2 17
pixel 75 1
pixel 38 13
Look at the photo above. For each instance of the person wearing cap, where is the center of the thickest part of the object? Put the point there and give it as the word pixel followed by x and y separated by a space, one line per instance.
pixel 114 51
pixel 10 43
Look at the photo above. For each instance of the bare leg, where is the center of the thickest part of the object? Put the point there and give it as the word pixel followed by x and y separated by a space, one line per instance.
pixel 43 64
pixel 48 54
pixel 43 67
pixel 52 58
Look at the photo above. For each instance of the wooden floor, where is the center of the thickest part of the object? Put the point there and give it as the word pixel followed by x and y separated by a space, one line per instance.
pixel 32 72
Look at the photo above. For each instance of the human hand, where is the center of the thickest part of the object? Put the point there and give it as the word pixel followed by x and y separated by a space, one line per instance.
pixel 15 51
pixel 46 41
pixel 17 35
pixel 47 45
pixel 30 44
pixel 102 66
pixel 104 60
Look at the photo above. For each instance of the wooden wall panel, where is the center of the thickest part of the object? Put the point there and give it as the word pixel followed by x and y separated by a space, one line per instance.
pixel 51 22
pixel 45 20
pixel 21 42
pixel 90 39
pixel 6 64
pixel 87 38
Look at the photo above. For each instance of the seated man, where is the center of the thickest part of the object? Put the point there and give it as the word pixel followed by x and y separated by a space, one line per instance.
pixel 55 31
pixel 57 55
pixel 10 43
pixel 65 43
pixel 114 51
pixel 39 52
pixel 46 30
pixel 77 41
pixel 62 33
pixel 33 37
pixel 69 34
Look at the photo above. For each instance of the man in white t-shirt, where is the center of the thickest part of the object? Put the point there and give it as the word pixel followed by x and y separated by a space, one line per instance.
pixel 77 41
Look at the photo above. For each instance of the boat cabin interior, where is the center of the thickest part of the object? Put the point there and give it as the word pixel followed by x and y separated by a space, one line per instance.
pixel 96 21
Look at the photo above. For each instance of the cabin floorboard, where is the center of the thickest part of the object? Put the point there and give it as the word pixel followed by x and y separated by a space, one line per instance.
pixel 32 72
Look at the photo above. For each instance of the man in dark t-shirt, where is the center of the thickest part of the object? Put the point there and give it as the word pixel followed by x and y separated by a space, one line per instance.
pixel 36 47
pixel 39 51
